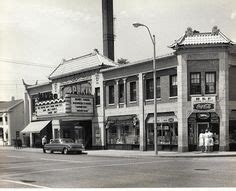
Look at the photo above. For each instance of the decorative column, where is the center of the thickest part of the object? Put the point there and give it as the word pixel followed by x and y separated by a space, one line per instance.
pixel 103 105
pixel 125 96
pixel 142 128
pixel 117 94
pixel 224 101
pixel 182 103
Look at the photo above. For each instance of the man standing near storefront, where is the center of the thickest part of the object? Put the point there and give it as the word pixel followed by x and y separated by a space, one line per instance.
pixel 44 141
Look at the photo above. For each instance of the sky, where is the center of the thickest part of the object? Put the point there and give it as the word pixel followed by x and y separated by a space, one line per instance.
pixel 35 35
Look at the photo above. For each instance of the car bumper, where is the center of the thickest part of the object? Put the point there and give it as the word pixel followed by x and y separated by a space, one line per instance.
pixel 75 149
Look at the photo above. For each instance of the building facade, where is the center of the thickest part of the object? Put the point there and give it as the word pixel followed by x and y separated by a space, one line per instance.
pixel 64 107
pixel 195 91
pixel 11 121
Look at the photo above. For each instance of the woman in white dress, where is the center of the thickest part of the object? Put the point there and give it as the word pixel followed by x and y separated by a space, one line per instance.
pixel 207 141
pixel 201 142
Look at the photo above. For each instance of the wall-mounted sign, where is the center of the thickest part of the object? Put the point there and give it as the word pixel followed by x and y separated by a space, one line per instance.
pixel 81 105
pixel 203 104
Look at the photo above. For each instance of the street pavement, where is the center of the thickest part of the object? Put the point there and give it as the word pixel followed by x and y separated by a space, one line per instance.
pixel 31 168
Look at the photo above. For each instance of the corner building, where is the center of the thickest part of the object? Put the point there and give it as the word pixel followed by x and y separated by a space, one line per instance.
pixel 195 91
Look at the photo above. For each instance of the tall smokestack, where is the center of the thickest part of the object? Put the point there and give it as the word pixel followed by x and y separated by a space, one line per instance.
pixel 108 33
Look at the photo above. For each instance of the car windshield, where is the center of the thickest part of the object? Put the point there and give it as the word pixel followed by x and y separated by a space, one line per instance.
pixel 67 141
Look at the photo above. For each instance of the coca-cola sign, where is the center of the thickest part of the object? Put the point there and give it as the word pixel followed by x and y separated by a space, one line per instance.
pixel 205 103
pixel 203 106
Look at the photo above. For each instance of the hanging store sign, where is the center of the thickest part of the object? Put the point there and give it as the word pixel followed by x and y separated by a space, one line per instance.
pixel 203 104
pixel 82 105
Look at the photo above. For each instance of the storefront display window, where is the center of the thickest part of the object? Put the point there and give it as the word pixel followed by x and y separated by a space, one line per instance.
pixel 167 134
pixel 123 135
pixel 123 132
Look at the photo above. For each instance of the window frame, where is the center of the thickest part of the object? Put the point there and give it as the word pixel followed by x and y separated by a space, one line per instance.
pixel 120 98
pixel 133 92
pixel 199 84
pixel 151 93
pixel 111 100
pixel 173 88
pixel 206 92
pixel 97 96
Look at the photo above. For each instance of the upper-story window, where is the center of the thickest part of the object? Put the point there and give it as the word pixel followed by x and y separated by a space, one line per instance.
pixel 195 83
pixel 111 94
pixel 121 93
pixel 150 88
pixel 97 96
pixel 133 91
pixel 173 85
pixel 210 83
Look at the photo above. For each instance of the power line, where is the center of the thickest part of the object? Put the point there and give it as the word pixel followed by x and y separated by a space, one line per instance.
pixel 25 63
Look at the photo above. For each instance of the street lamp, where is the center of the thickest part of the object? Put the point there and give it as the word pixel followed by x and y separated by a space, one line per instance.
pixel 136 25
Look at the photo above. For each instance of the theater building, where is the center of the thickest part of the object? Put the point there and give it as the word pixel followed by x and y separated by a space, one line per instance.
pixel 111 106
pixel 64 107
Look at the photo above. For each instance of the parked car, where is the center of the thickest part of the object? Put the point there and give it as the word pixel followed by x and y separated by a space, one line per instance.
pixel 63 145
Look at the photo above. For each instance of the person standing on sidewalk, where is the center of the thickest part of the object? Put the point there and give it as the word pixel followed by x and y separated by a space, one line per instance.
pixel 207 140
pixel 211 144
pixel 44 141
pixel 201 142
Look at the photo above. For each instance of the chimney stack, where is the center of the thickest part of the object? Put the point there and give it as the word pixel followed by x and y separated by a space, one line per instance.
pixel 108 33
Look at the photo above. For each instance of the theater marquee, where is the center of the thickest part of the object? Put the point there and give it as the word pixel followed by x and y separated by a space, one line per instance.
pixel 203 104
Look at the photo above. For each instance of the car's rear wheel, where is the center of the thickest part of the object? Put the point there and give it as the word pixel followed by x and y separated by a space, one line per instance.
pixel 65 151
pixel 51 151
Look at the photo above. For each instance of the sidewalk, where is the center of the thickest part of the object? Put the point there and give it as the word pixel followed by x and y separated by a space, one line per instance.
pixel 136 154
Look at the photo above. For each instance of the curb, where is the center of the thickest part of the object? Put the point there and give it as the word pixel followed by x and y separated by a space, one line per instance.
pixel 196 155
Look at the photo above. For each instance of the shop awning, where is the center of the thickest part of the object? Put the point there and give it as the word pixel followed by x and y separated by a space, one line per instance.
pixel 163 119
pixel 35 127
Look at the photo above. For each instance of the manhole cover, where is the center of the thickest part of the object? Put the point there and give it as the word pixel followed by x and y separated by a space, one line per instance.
pixel 203 169
pixel 28 181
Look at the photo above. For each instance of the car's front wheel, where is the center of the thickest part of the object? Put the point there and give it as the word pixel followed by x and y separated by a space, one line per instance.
pixel 65 151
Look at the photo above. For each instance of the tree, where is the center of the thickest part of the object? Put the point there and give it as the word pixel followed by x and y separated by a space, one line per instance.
pixel 122 61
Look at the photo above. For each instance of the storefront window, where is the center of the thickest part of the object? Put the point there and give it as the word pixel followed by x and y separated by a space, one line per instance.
pixel 123 133
pixel 167 134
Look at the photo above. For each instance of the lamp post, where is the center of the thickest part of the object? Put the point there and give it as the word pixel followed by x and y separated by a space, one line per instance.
pixel 154 82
